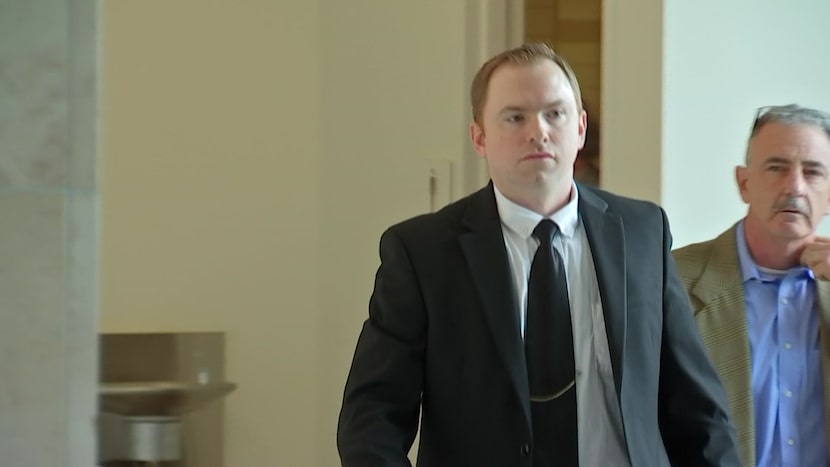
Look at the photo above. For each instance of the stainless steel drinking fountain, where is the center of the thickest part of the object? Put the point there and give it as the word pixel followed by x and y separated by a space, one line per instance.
pixel 141 421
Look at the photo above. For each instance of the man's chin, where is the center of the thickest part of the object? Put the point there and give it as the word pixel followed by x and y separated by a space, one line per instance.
pixel 794 230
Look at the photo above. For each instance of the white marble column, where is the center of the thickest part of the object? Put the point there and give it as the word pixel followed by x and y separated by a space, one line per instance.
pixel 48 232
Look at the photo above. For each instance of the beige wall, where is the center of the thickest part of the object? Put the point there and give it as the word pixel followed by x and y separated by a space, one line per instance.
pixel 393 99
pixel 210 200
pixel 253 153
pixel 632 81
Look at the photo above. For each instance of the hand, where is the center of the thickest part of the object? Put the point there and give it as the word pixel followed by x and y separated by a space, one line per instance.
pixel 816 256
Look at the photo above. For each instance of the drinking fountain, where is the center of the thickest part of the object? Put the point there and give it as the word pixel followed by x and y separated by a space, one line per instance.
pixel 140 422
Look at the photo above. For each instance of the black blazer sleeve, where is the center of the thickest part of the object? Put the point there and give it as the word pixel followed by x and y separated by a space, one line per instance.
pixel 694 419
pixel 379 416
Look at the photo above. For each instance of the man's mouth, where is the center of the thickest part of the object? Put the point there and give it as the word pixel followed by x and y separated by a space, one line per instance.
pixel 539 155
pixel 790 211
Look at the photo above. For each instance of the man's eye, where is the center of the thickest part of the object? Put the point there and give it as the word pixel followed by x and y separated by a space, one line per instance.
pixel 514 118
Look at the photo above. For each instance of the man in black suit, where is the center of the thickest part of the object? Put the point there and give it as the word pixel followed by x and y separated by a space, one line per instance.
pixel 600 365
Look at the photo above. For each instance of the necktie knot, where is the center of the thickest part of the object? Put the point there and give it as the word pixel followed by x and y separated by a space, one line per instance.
pixel 544 231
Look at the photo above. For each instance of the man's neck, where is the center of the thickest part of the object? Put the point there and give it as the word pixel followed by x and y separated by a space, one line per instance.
pixel 772 252
pixel 544 201
pixel 545 195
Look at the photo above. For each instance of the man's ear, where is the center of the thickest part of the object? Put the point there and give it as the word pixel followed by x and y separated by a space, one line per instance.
pixel 477 137
pixel 741 179
pixel 583 128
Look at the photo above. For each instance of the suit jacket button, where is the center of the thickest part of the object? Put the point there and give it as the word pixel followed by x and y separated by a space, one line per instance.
pixel 525 449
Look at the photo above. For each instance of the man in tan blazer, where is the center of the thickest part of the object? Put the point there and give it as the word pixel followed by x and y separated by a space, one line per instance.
pixel 760 294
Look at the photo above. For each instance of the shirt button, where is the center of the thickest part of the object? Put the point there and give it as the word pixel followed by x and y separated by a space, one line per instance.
pixel 788 393
pixel 791 441
pixel 783 301
pixel 788 346
pixel 525 449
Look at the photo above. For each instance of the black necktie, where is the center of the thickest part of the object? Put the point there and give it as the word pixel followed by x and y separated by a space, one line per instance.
pixel 550 356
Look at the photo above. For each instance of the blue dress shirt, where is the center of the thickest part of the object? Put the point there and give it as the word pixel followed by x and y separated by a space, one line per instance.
pixel 787 391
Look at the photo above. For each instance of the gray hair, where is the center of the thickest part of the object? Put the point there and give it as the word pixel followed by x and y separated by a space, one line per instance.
pixel 790 114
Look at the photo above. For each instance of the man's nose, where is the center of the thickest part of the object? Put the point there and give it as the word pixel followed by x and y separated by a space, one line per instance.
pixel 795 183
pixel 539 130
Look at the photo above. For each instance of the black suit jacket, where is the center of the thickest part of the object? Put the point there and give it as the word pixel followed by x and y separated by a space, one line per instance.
pixel 443 338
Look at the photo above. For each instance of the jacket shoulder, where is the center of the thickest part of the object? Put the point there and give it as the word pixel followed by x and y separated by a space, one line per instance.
pixel 691 259
pixel 442 224
pixel 624 206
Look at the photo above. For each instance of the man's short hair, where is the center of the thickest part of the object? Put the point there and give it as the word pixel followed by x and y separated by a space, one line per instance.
pixel 526 54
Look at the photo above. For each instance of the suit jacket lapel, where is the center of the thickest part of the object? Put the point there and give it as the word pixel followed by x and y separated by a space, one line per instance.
pixel 483 246
pixel 607 241
pixel 723 325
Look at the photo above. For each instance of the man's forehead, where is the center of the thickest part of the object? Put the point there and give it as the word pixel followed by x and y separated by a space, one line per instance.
pixel 513 87
pixel 796 134
pixel 790 142
pixel 513 74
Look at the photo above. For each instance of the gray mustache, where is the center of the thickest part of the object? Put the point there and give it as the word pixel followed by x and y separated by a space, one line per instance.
pixel 792 203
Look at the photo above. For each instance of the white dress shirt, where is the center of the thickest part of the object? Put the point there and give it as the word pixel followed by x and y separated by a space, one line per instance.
pixel 599 423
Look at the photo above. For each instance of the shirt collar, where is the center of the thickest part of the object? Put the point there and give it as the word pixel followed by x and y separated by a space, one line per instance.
pixel 522 220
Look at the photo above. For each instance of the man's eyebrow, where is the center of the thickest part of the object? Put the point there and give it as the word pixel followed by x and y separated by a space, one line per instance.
pixel 518 108
pixel 511 108
pixel 777 160
pixel 556 103
pixel 814 164
pixel 786 161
